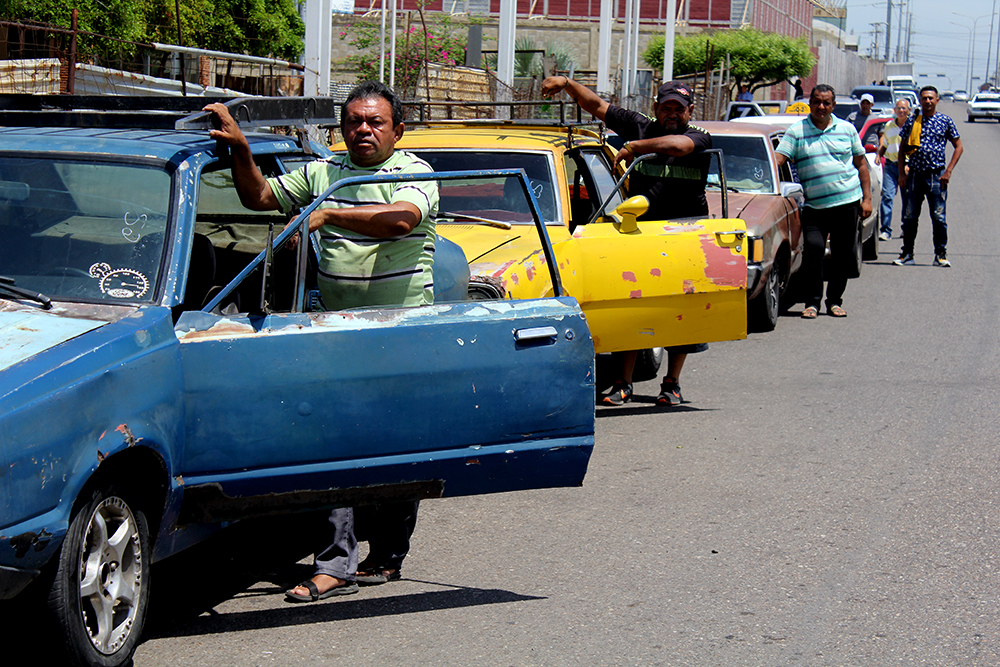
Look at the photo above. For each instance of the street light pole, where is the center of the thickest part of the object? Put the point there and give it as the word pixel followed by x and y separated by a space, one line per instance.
pixel 989 48
pixel 972 40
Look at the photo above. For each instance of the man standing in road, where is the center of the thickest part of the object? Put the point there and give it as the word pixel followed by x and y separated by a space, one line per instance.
pixel 924 175
pixel 859 118
pixel 377 248
pixel 889 141
pixel 831 165
pixel 674 184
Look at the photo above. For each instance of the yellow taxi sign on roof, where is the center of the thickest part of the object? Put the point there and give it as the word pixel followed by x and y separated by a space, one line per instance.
pixel 798 107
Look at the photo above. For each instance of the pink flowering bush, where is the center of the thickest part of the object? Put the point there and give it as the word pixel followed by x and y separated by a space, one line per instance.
pixel 442 42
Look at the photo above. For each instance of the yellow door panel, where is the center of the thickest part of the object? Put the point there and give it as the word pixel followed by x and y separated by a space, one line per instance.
pixel 664 284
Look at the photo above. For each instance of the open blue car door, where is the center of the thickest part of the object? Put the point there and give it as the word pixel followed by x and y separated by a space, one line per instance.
pixel 310 409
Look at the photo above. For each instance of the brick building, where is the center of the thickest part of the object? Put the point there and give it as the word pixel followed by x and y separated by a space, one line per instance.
pixel 787 17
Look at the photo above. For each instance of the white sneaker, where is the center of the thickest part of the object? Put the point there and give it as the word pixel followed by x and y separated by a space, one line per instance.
pixel 941 260
pixel 885 236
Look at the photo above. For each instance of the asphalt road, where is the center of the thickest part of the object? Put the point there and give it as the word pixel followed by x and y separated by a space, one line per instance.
pixel 828 496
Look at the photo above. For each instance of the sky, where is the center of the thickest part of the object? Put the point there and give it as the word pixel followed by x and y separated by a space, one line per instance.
pixel 941 40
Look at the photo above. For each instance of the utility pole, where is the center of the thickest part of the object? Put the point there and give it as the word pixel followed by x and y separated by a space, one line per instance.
pixel 888 28
pixel 899 32
pixel 878 33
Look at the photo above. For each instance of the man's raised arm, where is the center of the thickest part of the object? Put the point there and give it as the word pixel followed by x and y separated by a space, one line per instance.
pixel 588 100
pixel 252 187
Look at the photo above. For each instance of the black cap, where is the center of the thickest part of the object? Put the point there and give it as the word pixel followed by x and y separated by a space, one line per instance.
pixel 674 90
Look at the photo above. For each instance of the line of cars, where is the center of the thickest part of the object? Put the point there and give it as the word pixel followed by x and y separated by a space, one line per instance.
pixel 166 368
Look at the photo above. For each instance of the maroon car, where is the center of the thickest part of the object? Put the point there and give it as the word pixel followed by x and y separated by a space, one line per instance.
pixel 768 199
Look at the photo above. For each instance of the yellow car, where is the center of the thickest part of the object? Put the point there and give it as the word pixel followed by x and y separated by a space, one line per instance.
pixel 641 285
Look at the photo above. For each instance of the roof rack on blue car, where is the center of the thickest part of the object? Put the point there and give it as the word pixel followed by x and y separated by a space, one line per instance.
pixel 163 112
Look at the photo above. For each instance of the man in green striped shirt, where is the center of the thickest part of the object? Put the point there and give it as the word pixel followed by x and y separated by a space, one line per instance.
pixel 377 239
pixel 831 165
pixel 377 249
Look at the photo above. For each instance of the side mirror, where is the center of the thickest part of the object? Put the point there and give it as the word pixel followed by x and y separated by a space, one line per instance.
pixel 793 190
pixel 627 212
pixel 789 189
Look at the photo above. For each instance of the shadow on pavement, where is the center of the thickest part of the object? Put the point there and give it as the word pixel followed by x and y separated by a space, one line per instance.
pixel 338 609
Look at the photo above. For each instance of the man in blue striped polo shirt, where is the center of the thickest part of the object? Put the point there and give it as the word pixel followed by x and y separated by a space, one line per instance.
pixel 830 161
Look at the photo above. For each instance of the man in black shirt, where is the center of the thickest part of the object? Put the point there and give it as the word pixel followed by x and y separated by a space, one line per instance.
pixel 673 182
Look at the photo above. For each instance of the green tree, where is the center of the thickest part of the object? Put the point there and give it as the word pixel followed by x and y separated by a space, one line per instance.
pixel 256 27
pixel 757 59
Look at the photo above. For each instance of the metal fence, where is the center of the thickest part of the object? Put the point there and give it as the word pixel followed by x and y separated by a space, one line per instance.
pixel 37 58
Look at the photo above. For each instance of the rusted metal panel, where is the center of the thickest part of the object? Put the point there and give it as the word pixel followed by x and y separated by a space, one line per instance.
pixel 36 75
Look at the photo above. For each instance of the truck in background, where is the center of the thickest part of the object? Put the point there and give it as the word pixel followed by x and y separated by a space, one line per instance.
pixel 900 76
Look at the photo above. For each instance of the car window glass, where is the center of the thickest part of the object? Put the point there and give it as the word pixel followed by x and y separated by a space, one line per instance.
pixel 748 164
pixel 85 230
pixel 499 196
pixel 229 236
pixel 787 172
pixel 845 108
pixel 591 181
pixel 236 236
pixel 870 137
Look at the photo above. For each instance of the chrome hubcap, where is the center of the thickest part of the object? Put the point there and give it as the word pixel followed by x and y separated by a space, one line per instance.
pixel 110 575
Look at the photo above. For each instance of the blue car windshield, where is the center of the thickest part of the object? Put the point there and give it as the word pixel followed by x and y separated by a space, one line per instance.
pixel 83 230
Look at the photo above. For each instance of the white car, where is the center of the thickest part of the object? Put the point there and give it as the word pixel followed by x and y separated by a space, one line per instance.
pixel 984 105
pixel 961 96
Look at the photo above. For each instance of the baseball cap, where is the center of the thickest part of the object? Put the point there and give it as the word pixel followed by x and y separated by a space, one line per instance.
pixel 868 98
pixel 674 90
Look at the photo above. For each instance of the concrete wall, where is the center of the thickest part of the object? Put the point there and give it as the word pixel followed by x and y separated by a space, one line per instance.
pixel 579 38
pixel 845 69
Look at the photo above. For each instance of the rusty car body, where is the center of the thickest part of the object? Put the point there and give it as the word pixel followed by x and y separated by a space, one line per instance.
pixel 642 284
pixel 164 369
pixel 768 200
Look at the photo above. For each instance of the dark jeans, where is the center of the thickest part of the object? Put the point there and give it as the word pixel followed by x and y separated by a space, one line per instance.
pixel 840 223
pixel 921 185
pixel 387 529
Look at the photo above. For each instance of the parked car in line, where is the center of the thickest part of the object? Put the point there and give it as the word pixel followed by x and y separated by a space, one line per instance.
pixel 948 96
pixel 165 372
pixel 961 96
pixel 767 199
pixel 909 95
pixel 866 244
pixel 983 105
pixel 882 95
pixel 871 132
pixel 641 284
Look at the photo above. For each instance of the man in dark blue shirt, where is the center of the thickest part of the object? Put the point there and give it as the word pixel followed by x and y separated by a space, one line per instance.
pixel 923 174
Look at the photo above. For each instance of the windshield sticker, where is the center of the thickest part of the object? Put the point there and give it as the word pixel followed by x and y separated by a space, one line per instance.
pixel 120 283
pixel 131 229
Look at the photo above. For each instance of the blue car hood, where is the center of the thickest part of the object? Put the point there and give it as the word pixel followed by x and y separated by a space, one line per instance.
pixel 25 333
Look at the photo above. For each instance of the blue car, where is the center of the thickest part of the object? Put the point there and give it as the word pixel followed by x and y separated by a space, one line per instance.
pixel 166 369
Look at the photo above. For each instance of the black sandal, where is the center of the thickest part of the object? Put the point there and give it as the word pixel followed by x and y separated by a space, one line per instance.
pixel 376 576
pixel 315 595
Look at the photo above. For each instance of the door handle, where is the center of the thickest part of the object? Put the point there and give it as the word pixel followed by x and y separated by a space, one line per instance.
pixel 534 333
